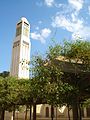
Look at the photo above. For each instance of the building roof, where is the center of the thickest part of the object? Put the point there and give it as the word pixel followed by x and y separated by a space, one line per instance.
pixel 71 65
pixel 23 19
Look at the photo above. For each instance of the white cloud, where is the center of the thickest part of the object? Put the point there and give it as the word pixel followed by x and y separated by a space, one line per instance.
pixel 45 32
pixel 72 24
pixel 68 17
pixel 35 36
pixel 49 3
pixel 82 33
pixel 58 5
pixel 42 35
pixel 61 21
pixel 76 4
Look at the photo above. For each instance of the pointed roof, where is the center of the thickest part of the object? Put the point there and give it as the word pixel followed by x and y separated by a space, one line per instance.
pixel 23 19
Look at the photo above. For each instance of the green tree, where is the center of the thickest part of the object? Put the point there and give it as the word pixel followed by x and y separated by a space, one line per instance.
pixel 69 66
pixel 46 77
pixel 38 82
pixel 8 94
pixel 5 74
pixel 78 55
pixel 62 75
pixel 2 98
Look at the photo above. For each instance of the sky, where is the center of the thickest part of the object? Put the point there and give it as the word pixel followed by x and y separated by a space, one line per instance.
pixel 50 20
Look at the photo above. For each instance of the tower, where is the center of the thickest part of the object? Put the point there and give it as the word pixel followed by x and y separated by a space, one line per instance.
pixel 21 50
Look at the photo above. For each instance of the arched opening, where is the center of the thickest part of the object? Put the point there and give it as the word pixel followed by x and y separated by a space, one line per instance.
pixel 47 111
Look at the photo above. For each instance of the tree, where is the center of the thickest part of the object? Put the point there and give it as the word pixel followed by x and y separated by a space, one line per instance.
pixel 2 98
pixel 74 63
pixel 69 66
pixel 8 94
pixel 38 83
pixel 4 74
pixel 12 94
pixel 47 78
pixel 78 54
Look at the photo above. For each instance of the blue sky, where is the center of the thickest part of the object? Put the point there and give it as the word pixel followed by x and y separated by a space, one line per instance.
pixel 49 19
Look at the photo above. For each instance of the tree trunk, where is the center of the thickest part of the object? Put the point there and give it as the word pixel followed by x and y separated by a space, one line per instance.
pixel 14 113
pixel 75 111
pixel 68 113
pixel 52 112
pixel 30 112
pixel 2 113
pixel 26 113
pixel 80 113
pixel 34 111
pixel 56 113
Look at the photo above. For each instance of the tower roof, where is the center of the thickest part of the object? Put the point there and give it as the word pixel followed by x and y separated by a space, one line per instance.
pixel 23 19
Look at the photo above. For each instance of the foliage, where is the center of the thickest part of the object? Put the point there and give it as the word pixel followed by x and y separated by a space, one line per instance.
pixel 4 74
pixel 38 81
pixel 79 51
pixel 54 51
pixel 13 92
pixel 87 103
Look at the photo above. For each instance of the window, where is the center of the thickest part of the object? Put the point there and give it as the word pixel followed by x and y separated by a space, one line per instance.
pixel 25 31
pixel 47 111
pixel 18 31
pixel 16 44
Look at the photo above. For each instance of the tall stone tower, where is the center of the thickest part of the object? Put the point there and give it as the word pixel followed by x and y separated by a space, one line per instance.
pixel 21 50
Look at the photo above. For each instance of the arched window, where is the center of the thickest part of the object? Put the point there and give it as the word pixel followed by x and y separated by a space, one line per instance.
pixel 47 111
